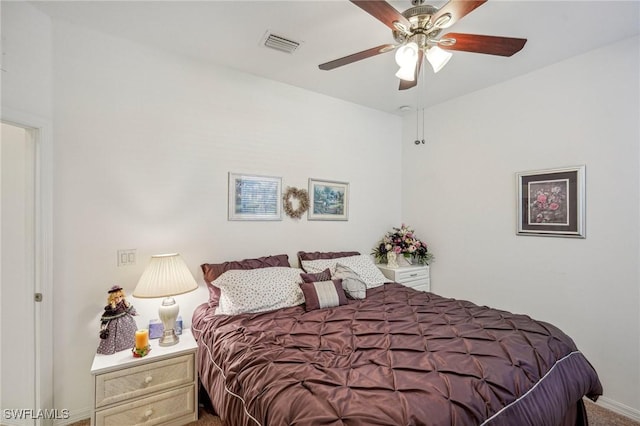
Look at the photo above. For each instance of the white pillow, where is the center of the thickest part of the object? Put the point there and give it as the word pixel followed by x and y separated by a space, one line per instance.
pixel 258 290
pixel 361 264
pixel 352 284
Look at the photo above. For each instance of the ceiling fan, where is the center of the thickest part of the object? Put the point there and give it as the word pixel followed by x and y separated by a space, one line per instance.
pixel 417 32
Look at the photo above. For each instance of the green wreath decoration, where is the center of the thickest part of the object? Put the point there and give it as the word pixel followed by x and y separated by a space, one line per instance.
pixel 303 202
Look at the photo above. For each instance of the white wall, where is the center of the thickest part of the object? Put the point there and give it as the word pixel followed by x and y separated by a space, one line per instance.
pixel 144 142
pixel 26 58
pixel 460 196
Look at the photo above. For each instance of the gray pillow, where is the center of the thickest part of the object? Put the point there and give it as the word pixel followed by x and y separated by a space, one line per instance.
pixel 352 284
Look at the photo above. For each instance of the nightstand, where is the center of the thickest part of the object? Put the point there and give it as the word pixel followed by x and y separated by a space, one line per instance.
pixel 414 276
pixel 160 388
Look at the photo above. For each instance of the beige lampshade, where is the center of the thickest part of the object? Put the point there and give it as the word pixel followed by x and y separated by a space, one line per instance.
pixel 166 275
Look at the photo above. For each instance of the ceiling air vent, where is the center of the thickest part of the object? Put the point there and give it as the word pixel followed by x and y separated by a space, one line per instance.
pixel 280 43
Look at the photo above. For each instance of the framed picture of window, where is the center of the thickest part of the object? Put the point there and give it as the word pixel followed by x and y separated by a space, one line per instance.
pixel 253 197
pixel 329 200
pixel 551 202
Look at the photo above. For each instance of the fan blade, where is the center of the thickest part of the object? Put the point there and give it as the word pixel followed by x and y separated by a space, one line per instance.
pixel 356 57
pixel 491 45
pixel 384 12
pixel 458 9
pixel 404 84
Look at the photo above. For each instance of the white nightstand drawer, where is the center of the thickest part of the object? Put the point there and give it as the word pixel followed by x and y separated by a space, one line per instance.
pixel 411 274
pixel 414 276
pixel 142 380
pixel 420 285
pixel 171 407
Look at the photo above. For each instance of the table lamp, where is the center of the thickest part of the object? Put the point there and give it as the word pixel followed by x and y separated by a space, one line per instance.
pixel 166 275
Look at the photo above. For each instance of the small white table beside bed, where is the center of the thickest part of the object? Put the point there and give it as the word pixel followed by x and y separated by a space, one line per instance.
pixel 414 276
pixel 160 388
pixel 394 356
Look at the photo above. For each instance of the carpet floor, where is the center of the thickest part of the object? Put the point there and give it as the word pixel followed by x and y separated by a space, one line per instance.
pixel 598 416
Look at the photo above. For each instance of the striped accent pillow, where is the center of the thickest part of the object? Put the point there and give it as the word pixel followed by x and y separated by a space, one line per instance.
pixel 323 294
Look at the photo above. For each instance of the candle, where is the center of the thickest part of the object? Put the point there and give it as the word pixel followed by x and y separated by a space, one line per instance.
pixel 142 339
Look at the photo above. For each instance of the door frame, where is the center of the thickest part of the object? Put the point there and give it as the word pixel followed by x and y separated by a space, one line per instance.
pixel 40 130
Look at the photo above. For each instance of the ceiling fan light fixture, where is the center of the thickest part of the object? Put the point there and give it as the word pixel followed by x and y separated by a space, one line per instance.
pixel 438 57
pixel 407 55
pixel 416 32
pixel 406 73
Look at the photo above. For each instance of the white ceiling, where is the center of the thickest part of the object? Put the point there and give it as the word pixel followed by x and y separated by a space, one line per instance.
pixel 229 33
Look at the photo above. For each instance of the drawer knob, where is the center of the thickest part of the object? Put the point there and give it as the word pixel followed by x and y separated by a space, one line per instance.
pixel 148 413
pixel 413 275
pixel 148 380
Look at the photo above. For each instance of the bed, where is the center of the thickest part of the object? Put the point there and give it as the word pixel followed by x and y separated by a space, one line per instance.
pixel 388 355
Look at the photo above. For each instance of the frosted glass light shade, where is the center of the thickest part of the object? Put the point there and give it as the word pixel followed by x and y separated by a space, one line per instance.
pixel 166 275
pixel 407 55
pixel 407 73
pixel 406 58
pixel 438 57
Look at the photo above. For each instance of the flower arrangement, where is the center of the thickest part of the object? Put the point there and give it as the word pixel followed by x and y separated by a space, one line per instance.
pixel 402 241
pixel 550 205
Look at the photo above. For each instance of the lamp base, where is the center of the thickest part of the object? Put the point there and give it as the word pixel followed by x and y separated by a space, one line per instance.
pixel 169 338
pixel 168 312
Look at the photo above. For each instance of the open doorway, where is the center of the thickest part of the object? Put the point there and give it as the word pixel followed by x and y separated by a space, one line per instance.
pixel 25 349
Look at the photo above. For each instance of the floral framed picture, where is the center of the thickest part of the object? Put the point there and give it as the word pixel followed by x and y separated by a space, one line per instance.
pixel 254 197
pixel 329 200
pixel 552 202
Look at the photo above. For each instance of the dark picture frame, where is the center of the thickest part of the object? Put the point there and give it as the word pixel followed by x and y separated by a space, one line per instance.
pixel 329 200
pixel 551 202
pixel 253 197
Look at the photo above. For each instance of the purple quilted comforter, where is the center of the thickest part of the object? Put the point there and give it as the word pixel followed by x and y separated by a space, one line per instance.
pixel 398 357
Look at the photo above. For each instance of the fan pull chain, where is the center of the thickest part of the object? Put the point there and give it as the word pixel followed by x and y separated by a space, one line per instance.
pixel 417 141
pixel 422 125
pixel 424 84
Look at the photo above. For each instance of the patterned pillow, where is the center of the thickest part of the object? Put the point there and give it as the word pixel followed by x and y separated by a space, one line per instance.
pixel 211 271
pixel 323 294
pixel 351 282
pixel 320 276
pixel 361 265
pixel 258 290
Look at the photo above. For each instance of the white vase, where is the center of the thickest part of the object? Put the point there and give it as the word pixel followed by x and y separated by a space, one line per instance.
pixel 404 261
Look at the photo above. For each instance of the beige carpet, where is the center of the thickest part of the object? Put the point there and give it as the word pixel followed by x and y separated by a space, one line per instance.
pixel 598 416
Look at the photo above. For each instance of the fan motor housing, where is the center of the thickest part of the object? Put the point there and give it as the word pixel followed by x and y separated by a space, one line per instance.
pixel 420 18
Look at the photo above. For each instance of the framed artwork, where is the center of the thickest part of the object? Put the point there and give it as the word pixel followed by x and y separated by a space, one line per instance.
pixel 329 200
pixel 552 202
pixel 254 197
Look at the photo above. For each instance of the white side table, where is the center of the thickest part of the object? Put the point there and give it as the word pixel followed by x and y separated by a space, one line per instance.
pixel 160 388
pixel 414 276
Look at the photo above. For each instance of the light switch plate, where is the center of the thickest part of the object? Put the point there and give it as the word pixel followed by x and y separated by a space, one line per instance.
pixel 126 257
